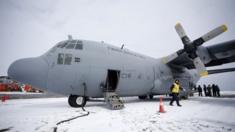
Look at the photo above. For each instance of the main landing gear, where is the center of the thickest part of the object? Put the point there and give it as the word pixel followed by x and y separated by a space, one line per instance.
pixel 77 101
pixel 145 97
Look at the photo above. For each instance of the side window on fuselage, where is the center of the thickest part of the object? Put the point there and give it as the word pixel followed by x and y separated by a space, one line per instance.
pixel 65 59
pixel 68 59
pixel 60 59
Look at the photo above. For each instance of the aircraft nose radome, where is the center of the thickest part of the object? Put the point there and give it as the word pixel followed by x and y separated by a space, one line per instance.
pixel 31 71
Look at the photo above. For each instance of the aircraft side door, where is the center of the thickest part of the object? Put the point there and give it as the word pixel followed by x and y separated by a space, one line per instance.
pixel 97 77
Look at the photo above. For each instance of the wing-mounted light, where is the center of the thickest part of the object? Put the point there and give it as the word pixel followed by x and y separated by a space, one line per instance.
pixel 190 47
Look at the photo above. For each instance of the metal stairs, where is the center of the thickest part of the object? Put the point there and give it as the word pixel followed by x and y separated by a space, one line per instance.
pixel 113 101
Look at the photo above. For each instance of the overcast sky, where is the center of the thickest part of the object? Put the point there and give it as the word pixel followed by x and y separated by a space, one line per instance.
pixel 28 28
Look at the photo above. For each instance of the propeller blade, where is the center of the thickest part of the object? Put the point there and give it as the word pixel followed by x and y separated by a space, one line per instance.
pixel 173 56
pixel 210 35
pixel 200 67
pixel 180 30
pixel 169 58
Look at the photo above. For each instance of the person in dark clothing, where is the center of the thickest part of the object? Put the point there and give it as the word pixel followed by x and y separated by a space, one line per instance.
pixel 195 88
pixel 213 90
pixel 175 89
pixel 209 90
pixel 217 90
pixel 204 89
pixel 199 90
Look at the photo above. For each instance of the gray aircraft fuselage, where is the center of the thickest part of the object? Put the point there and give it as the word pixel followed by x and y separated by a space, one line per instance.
pixel 65 69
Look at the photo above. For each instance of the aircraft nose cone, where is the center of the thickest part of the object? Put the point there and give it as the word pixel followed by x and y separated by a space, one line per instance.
pixel 31 71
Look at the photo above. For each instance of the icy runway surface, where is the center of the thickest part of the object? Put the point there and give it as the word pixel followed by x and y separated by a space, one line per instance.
pixel 198 114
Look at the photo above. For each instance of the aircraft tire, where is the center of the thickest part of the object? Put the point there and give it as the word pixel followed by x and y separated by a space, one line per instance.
pixel 184 97
pixel 143 97
pixel 77 101
pixel 150 96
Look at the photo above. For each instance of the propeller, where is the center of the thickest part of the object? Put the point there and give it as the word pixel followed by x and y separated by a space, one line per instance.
pixel 190 47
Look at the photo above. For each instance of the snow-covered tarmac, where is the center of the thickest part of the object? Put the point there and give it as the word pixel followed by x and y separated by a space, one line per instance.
pixel 198 114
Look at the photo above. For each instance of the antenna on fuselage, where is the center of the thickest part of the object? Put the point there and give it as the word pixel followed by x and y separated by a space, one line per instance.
pixel 70 37
pixel 122 46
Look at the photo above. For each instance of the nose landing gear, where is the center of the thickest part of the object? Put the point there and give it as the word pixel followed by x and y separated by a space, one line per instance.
pixel 77 101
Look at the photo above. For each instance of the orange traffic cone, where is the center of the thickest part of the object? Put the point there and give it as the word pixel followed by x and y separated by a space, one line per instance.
pixel 161 106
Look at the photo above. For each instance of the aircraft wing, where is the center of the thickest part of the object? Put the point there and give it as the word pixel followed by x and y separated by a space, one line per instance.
pixel 214 55
pixel 216 71
pixel 222 53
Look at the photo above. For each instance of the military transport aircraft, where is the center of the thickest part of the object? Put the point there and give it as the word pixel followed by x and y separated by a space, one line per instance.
pixel 83 69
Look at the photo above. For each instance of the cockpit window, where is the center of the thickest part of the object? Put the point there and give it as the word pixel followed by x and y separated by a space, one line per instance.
pixel 73 41
pixel 79 46
pixel 59 45
pixel 70 46
pixel 62 44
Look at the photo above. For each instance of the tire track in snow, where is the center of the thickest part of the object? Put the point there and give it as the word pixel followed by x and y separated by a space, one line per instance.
pixel 70 119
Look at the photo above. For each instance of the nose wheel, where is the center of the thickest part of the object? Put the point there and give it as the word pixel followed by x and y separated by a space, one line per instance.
pixel 77 101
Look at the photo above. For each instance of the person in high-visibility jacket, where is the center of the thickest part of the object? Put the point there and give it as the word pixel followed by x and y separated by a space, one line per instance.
pixel 175 89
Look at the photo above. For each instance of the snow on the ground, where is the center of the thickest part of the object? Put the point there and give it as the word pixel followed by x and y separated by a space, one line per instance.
pixel 198 114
